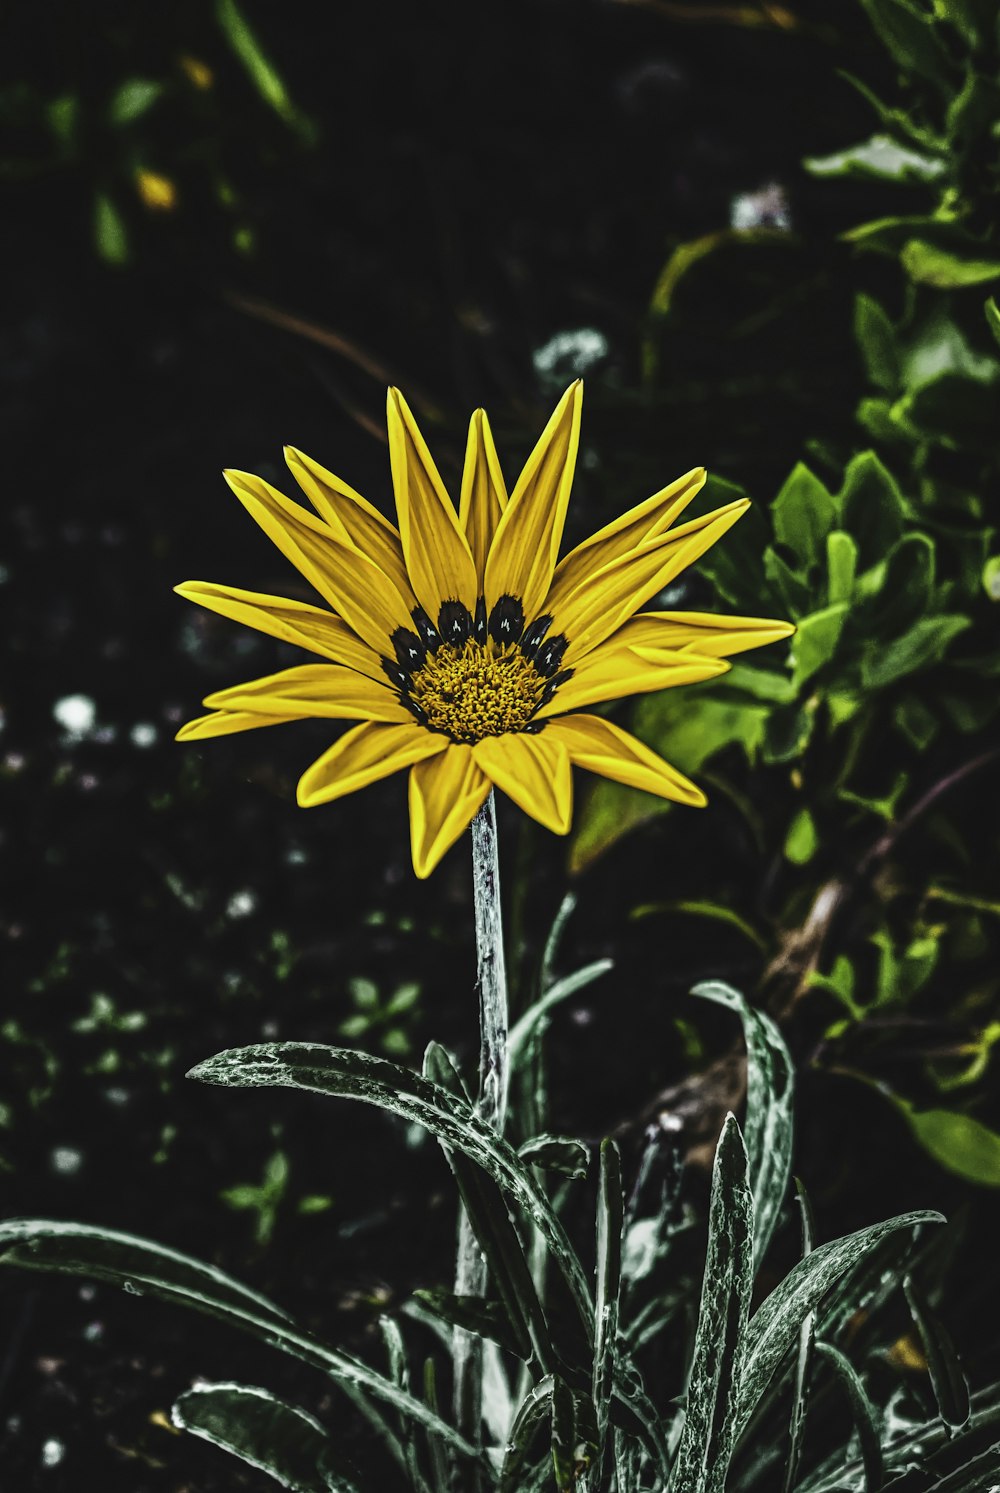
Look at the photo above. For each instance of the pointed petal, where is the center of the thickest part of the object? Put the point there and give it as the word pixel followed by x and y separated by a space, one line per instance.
pixel 322 690
pixel 704 633
pixel 351 515
pixel 611 673
pixel 446 794
pixel 438 559
pixel 363 755
pixel 525 547
pixel 603 602
pixel 225 722
pixel 353 585
pixel 534 772
pixel 644 522
pixel 484 495
pixel 602 747
pixel 292 621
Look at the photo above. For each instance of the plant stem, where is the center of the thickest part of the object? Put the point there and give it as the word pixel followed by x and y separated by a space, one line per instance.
pixel 470 1272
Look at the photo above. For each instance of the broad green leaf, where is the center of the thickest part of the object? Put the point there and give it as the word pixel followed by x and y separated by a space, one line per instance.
pixel 345 1074
pixel 872 507
pixel 803 514
pixel 556 1153
pixel 841 566
pixel 863 1413
pixel 264 1432
pixel 709 1432
pixel 953 411
pixel 958 1142
pixel 880 158
pixel 991 578
pixel 110 233
pixel 132 99
pixel 876 338
pixel 924 643
pixel 928 264
pixel 992 311
pixel 815 642
pixel 610 1224
pixel 801 841
pixel 906 590
pixel 790 586
pixel 774 1327
pixel 141 1267
pixel 768 1131
pixel 951 1389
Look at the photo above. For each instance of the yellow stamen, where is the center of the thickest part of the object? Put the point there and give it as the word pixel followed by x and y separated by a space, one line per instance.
pixel 477 689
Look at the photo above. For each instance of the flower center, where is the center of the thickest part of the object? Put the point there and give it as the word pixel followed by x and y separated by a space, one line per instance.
pixel 476 676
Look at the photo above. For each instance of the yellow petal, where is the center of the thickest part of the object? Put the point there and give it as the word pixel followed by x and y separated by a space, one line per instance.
pixel 353 585
pixel 363 755
pixel 322 690
pixel 484 495
pixel 438 559
pixel 611 673
pixel 446 794
pixel 534 772
pixel 292 621
pixel 602 747
pixel 624 534
pixel 525 546
pixel 348 513
pixel 700 632
pixel 603 602
pixel 225 722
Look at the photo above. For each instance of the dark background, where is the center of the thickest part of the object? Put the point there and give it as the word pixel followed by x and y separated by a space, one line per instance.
pixel 432 196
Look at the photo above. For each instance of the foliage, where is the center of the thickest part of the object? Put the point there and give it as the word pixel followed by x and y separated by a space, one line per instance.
pixel 572 1402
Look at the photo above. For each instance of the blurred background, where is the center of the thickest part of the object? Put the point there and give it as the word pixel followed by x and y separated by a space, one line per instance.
pixel 764 234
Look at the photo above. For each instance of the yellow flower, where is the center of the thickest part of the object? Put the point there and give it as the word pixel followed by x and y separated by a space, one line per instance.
pixel 463 645
pixel 157 192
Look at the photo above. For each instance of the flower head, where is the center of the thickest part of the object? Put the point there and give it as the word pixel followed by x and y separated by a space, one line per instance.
pixel 465 648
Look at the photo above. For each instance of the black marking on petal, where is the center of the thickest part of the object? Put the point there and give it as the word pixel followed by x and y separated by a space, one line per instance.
pixel 534 633
pixel 553 685
pixel 395 673
pixel 454 623
pixel 507 620
pixel 429 634
pixel 417 711
pixel 534 728
pixel 550 655
pixel 480 630
pixel 410 650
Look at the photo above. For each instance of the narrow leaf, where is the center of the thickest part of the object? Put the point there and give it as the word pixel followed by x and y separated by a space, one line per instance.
pixel 863 1413
pixel 951 1389
pixel 610 1222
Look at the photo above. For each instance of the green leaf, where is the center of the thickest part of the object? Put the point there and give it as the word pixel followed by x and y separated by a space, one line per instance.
pixel 774 1327
pixel 841 566
pixel 815 642
pixel 258 66
pixel 960 1143
pixel 803 1361
pixel 110 233
pixel 537 1016
pixel 264 1432
pixel 709 1432
pixel 908 33
pixel 952 411
pixel 610 1224
pixel 872 507
pixel 906 591
pixel 803 514
pixel 924 643
pixel 143 1268
pixel 801 841
pixel 534 1410
pixel 556 1153
pixel 342 1073
pixel 929 264
pixel 951 1389
pixel 876 337
pixel 992 316
pixel 770 1097
pixel 132 99
pixel 473 1314
pixel 863 1413
pixel 790 586
pixel 881 158
pixel 991 578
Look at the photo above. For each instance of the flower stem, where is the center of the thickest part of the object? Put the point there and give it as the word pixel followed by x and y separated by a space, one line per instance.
pixel 470 1272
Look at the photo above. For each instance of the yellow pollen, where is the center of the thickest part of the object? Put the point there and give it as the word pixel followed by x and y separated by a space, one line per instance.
pixel 477 689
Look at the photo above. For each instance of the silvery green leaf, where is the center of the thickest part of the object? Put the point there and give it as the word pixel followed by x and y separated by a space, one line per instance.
pixel 951 1390
pixel 710 1427
pixel 863 1413
pixel 556 1153
pixel 610 1218
pixel 770 1096
pixel 260 1429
